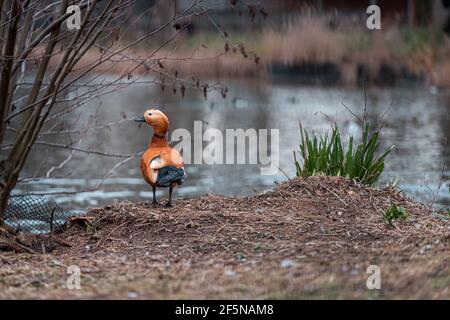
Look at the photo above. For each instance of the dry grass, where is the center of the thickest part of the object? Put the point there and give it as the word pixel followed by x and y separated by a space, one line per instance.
pixel 310 39
pixel 308 238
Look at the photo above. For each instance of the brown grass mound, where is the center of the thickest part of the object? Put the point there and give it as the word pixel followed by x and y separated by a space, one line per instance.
pixel 308 238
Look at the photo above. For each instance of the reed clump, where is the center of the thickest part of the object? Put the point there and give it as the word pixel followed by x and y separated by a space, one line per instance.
pixel 327 155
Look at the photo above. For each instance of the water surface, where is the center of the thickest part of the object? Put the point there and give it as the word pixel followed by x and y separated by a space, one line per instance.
pixel 418 123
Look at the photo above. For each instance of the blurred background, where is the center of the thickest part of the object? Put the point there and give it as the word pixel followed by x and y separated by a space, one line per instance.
pixel 290 61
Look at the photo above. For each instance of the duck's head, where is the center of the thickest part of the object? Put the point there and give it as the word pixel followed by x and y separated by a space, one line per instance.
pixel 157 119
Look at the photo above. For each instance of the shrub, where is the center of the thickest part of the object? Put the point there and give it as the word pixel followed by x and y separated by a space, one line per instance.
pixel 394 213
pixel 327 156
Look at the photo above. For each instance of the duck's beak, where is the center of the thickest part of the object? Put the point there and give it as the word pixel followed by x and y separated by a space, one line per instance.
pixel 140 119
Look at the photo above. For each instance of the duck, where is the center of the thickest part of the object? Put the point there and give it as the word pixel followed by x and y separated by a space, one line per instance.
pixel 161 165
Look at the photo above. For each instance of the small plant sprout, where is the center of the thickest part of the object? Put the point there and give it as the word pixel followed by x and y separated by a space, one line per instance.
pixel 394 182
pixel 394 213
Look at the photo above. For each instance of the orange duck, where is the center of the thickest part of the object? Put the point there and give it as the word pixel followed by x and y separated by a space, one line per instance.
pixel 161 165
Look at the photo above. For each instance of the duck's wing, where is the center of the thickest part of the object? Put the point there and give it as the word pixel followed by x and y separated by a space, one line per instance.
pixel 170 174
pixel 157 163
pixel 175 158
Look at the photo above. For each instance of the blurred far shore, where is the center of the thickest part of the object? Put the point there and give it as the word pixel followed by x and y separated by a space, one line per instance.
pixel 322 42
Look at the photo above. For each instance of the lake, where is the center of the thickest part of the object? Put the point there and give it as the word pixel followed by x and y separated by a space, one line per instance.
pixel 417 123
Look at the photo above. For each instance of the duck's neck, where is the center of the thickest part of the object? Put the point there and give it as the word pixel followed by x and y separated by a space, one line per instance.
pixel 158 140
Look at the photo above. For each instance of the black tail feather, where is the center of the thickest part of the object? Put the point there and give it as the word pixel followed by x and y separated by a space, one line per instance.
pixel 168 175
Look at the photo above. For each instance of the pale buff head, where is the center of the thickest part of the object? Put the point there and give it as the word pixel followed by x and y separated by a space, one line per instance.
pixel 157 119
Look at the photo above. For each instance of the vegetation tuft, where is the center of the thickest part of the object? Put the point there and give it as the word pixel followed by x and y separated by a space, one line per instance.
pixel 327 156
pixel 394 213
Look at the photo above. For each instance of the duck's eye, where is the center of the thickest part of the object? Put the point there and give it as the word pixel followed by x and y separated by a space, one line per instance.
pixel 149 113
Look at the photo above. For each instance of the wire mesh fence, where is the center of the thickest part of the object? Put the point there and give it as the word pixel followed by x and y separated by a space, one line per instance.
pixel 35 214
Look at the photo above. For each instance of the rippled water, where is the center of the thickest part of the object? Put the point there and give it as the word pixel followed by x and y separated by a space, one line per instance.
pixel 418 123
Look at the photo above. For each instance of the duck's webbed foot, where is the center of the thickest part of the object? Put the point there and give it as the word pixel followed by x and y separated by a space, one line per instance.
pixel 168 204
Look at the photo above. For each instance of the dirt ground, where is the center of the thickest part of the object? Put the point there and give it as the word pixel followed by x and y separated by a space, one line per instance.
pixel 308 238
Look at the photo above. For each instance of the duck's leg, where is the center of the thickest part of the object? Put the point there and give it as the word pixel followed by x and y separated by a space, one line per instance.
pixel 169 203
pixel 154 195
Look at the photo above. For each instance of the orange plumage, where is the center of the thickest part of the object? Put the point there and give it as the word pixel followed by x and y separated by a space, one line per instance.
pixel 161 165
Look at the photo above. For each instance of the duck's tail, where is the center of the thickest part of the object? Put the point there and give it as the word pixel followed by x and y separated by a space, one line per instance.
pixel 168 175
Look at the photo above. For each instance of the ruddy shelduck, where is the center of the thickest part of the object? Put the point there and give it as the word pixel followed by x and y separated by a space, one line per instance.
pixel 161 165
